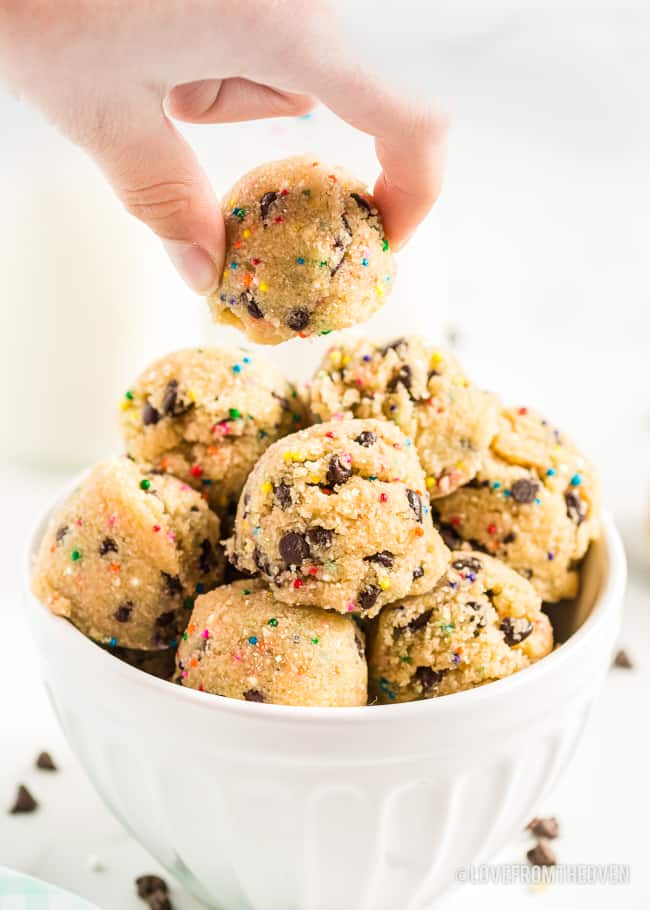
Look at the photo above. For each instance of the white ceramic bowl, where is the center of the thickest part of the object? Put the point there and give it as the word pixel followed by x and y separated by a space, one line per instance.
pixel 268 807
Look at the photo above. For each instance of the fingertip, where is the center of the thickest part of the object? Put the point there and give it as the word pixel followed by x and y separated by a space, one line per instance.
pixel 195 266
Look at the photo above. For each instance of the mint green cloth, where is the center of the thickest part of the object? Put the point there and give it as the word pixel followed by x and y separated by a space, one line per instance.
pixel 21 892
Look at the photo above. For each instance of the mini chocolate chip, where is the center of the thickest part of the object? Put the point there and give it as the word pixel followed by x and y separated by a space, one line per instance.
pixel 576 507
pixel 254 310
pixel 541 854
pixel 338 471
pixel 207 557
pixel 283 495
pixel 363 204
pixel 428 677
pixel 476 484
pixel 368 597
pixel 261 561
pixel 159 901
pixel 544 827
pixel 150 416
pixel 172 405
pixel 294 549
pixel 149 884
pixel 367 438
pixel 394 346
pixel 45 762
pixel 319 537
pixel 170 397
pixel 253 695
pixel 467 562
pixel 61 532
pixel 266 202
pixel 360 646
pixel 24 801
pixel 195 509
pixel 298 319
pixel 338 265
pixel 384 558
pixel 252 306
pixel 524 490
pixel 527 573
pixel 450 536
pixel 623 660
pixel 418 573
pixel 173 584
pixel 165 619
pixel 510 537
pixel 108 545
pixel 415 502
pixel 123 612
pixel 515 629
pixel 404 376
pixel 420 621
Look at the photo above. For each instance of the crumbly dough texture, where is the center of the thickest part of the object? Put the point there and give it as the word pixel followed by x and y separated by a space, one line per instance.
pixel 306 252
pixel 242 643
pixel 481 622
pixel 205 415
pixel 535 504
pixel 126 554
pixel 337 516
pixel 423 390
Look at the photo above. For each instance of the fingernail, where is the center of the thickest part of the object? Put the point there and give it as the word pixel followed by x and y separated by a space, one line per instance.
pixel 194 265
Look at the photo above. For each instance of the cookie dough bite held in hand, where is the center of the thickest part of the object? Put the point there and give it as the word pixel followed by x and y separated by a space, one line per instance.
pixel 306 252
pixel 242 643
pixel 126 554
pixel 535 504
pixel 337 516
pixel 423 390
pixel 481 622
pixel 205 415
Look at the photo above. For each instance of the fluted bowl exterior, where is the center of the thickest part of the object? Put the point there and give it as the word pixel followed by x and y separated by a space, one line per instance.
pixel 268 807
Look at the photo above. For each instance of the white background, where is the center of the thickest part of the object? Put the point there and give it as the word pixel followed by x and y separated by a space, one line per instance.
pixel 536 261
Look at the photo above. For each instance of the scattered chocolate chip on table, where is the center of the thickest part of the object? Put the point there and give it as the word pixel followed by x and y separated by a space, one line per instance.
pixel 45 762
pixel 544 827
pixel 541 854
pixel 24 801
pixel 623 660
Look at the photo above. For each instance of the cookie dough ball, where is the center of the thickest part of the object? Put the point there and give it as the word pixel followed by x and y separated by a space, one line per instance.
pixel 337 516
pixel 534 504
pixel 481 622
pixel 423 390
pixel 306 252
pixel 242 643
pixel 206 415
pixel 126 554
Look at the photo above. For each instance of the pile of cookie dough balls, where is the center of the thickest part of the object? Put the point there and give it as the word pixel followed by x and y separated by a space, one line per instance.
pixel 388 532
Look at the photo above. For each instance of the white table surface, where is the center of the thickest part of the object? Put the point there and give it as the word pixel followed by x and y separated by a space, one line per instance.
pixel 544 226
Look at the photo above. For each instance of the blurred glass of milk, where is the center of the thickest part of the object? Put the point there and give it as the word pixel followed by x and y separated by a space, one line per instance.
pixel 87 297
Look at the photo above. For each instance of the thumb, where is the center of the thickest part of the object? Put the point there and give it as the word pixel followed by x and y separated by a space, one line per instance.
pixel 160 181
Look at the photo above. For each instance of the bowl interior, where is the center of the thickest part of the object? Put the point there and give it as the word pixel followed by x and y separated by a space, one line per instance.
pixel 567 616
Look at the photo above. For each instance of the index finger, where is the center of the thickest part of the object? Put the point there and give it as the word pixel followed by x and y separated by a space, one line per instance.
pixel 410 140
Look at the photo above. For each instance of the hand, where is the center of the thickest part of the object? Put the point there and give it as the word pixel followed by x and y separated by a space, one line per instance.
pixel 111 75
